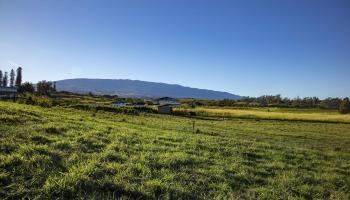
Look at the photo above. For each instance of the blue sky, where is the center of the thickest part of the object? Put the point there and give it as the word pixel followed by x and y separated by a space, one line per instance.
pixel 246 47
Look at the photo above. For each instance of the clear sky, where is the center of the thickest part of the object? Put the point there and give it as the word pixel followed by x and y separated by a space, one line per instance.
pixel 246 47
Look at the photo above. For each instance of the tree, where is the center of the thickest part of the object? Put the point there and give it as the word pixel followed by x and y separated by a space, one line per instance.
pixel 5 80
pixel 26 87
pixel 44 87
pixel 54 87
pixel 0 78
pixel 12 78
pixel 330 103
pixel 344 106
pixel 19 77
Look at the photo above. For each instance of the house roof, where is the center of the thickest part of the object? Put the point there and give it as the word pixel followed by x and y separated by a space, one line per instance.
pixel 166 98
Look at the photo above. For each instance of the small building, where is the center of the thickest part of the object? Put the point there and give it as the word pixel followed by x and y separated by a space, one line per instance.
pixel 167 101
pixel 165 109
pixel 166 104
pixel 8 92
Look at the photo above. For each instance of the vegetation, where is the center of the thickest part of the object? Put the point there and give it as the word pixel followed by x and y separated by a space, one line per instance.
pixel 59 145
pixel 315 115
pixel 1 76
pixel 65 152
pixel 44 88
pixel 270 101
pixel 5 80
pixel 18 82
pixel 345 106
pixel 12 78
pixel 31 99
pixel 26 87
pixel 13 81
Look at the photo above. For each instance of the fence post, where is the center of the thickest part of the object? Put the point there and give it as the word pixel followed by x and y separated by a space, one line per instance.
pixel 193 124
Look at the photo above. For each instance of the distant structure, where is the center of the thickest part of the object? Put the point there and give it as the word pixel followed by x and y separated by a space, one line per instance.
pixel 119 103
pixel 8 92
pixel 167 101
pixel 166 104
pixel 165 109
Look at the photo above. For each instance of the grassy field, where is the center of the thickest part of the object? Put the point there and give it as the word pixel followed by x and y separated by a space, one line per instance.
pixel 313 115
pixel 50 153
pixel 70 98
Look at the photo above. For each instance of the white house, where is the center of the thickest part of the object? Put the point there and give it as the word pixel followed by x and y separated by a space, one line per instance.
pixel 167 101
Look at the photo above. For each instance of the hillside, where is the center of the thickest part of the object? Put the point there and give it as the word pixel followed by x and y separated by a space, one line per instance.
pixel 135 88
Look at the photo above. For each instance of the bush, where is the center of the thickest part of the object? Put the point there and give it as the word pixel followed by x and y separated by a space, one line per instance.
pixel 44 87
pixel 181 113
pixel 26 87
pixel 124 110
pixel 31 99
pixel 344 106
pixel 43 101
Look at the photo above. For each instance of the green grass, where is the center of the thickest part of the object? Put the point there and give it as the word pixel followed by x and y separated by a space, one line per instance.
pixel 312 115
pixel 70 98
pixel 50 153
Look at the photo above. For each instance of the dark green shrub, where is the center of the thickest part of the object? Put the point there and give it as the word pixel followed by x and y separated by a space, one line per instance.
pixel 32 99
pixel 344 106
pixel 181 113
pixel 43 101
pixel 124 110
pixel 26 87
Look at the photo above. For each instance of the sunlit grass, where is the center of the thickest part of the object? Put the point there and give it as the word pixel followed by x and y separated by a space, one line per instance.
pixel 274 113
pixel 64 153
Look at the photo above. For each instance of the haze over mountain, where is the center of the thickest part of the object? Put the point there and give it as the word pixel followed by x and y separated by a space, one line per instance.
pixel 136 88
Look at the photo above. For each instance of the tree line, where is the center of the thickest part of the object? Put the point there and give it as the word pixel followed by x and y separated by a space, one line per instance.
pixel 278 101
pixel 15 79
pixel 41 88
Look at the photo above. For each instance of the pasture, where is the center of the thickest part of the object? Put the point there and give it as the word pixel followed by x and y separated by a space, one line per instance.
pixel 60 153
pixel 289 114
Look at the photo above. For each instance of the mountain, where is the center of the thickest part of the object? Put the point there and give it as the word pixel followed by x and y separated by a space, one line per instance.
pixel 135 88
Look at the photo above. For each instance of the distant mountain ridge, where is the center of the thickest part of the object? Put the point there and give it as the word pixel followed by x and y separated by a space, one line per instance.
pixel 136 88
